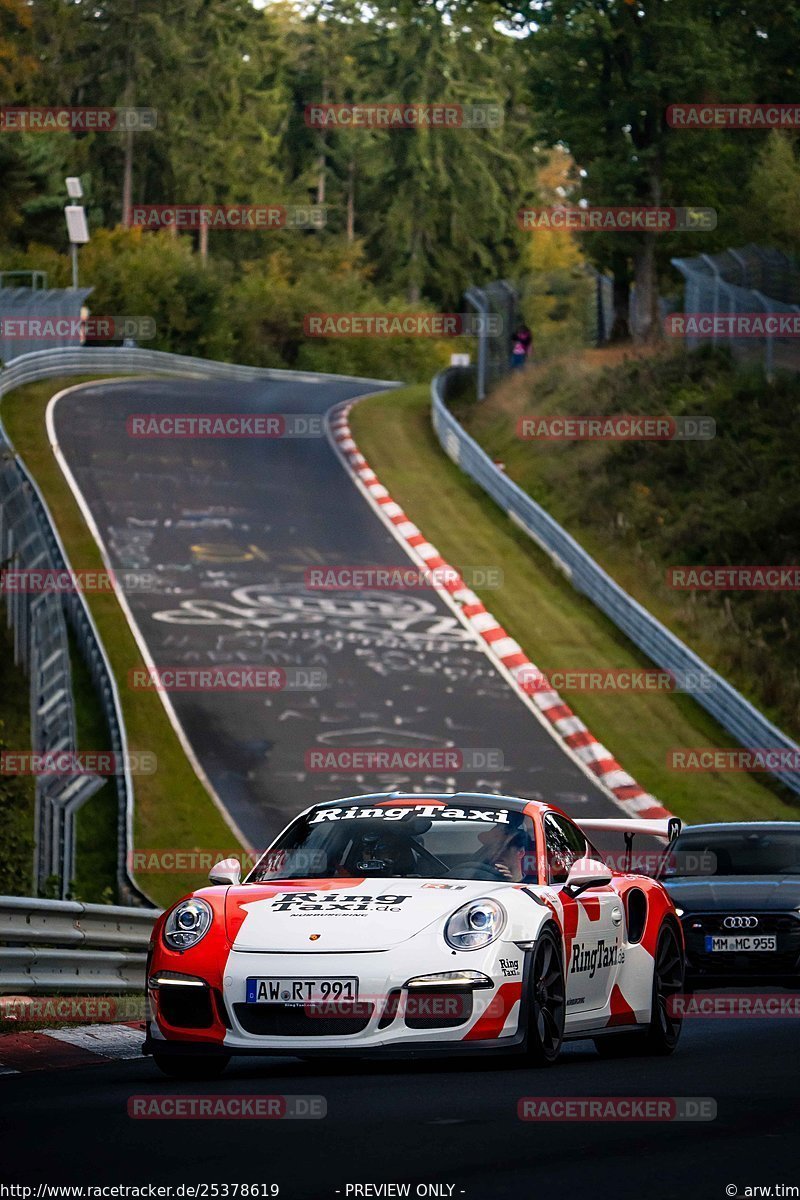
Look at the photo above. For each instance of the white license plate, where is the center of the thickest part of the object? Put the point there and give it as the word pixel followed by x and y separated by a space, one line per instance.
pixel 742 942
pixel 300 990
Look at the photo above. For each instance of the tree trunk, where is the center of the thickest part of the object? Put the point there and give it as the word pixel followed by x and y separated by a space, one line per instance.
pixel 351 201
pixel 322 158
pixel 647 327
pixel 620 328
pixel 648 317
pixel 127 180
pixel 203 244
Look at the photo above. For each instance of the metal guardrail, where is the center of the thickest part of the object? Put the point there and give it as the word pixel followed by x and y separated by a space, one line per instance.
pixel 733 712
pixel 64 946
pixel 41 647
pixel 99 360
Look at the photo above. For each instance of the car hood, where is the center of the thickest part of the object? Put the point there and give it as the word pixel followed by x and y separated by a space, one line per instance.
pixel 342 914
pixel 735 892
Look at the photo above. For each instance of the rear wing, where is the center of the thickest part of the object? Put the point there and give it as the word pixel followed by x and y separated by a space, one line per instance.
pixel 668 828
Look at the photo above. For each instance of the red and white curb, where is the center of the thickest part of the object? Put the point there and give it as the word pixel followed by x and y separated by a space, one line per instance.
pixel 579 742
pixel 73 1046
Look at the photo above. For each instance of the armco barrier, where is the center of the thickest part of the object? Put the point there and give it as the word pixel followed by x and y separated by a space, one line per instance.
pixel 41 648
pixel 63 946
pixel 734 713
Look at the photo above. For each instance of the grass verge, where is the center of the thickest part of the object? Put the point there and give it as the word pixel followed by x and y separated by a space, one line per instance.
pixel 642 507
pixel 559 629
pixel 173 809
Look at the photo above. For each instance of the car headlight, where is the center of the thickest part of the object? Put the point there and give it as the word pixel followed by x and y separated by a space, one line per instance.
pixel 188 922
pixel 679 911
pixel 475 925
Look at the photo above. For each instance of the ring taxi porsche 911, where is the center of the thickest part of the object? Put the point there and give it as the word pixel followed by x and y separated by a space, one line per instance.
pixel 407 924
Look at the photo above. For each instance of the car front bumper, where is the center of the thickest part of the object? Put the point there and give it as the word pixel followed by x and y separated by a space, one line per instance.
pixel 389 1019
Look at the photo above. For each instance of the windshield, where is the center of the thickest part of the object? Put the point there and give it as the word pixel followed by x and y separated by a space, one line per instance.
pixel 414 842
pixel 736 852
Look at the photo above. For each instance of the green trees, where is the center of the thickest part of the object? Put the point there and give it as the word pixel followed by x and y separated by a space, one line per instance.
pixel 603 74
pixel 415 213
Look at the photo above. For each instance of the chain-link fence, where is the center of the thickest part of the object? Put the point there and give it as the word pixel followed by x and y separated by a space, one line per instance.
pixel 568 309
pixel 754 294
pixel 33 318
pixel 497 306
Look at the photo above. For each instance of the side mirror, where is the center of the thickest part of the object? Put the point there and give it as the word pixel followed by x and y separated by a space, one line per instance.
pixel 227 870
pixel 586 873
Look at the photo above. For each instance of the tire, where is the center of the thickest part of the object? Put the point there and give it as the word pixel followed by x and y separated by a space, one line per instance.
pixel 661 1035
pixel 185 1066
pixel 547 1001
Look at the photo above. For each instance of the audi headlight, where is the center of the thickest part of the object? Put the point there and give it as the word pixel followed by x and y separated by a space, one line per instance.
pixel 187 924
pixel 475 925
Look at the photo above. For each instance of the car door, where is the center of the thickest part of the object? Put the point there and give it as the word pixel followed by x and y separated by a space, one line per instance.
pixel 594 922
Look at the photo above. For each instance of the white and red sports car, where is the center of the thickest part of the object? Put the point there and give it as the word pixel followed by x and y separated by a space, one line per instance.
pixel 396 923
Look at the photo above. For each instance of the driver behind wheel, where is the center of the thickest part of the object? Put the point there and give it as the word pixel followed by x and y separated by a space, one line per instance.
pixel 508 852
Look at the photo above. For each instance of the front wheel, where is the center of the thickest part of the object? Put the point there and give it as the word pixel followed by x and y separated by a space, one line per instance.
pixel 186 1066
pixel 547 1001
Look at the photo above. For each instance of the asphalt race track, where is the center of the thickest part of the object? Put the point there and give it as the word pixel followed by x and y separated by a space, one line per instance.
pixel 452 1124
pixel 226 530
pixel 221 532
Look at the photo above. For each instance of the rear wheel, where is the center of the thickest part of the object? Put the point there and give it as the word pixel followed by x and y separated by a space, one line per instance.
pixel 186 1066
pixel 662 1034
pixel 547 1004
